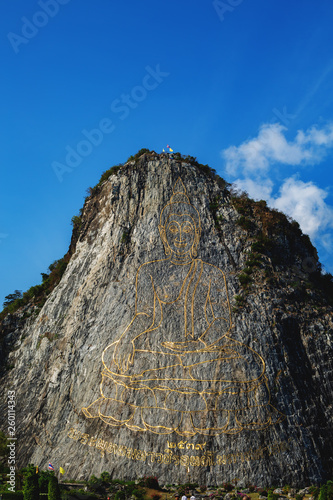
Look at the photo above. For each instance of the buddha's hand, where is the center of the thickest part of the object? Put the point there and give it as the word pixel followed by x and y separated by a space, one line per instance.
pixel 123 355
pixel 188 346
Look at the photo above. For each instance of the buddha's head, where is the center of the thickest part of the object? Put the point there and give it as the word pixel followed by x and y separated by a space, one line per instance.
pixel 180 225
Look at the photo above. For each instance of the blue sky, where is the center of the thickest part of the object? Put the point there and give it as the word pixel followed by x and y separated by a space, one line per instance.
pixel 243 85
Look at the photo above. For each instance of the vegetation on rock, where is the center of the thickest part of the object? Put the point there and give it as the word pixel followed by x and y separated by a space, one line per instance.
pixel 53 489
pixel 30 484
pixel 38 294
pixel 42 483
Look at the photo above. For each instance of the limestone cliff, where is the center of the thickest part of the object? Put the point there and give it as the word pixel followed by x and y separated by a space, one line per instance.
pixel 190 337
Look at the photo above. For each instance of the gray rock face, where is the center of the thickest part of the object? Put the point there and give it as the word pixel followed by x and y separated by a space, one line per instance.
pixel 143 362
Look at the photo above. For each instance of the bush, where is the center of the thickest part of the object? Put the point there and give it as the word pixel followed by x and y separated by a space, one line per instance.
pixel 105 175
pixel 30 484
pixel 314 491
pixel 272 496
pixel 8 495
pixel 4 450
pixel 138 494
pixel 261 204
pixel 248 270
pixel 262 492
pixel 43 480
pixel 244 279
pixel 105 476
pixel 94 483
pixel 138 154
pixel 240 302
pixel 39 293
pixel 125 236
pixel 323 492
pixel 53 490
pixel 9 299
pixel 326 491
pixel 76 222
pixel 253 260
pixel 262 245
pixel 182 490
pixel 191 486
pixel 120 495
pixel 245 223
pixel 151 482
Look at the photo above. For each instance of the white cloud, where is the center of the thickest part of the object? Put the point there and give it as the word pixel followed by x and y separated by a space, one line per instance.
pixel 255 156
pixel 257 190
pixel 305 202
pixel 327 242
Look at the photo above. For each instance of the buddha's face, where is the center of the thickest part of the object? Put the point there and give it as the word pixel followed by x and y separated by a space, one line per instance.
pixel 180 233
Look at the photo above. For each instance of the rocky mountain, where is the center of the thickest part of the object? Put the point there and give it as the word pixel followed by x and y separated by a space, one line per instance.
pixel 187 334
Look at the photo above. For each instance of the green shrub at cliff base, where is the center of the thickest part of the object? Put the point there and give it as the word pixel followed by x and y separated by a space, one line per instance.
pixel 93 480
pixel 314 491
pixel 326 491
pixel 77 494
pixel 94 484
pixel 17 495
pixel 138 494
pixel 227 486
pixel 272 496
pixel 43 480
pixel 150 482
pixel 132 490
pixel 120 495
pixel 329 490
pixel 3 452
pixel 30 484
pixel 53 490
pixel 105 477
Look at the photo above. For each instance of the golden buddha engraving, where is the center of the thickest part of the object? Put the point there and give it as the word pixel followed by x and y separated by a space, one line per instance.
pixel 176 367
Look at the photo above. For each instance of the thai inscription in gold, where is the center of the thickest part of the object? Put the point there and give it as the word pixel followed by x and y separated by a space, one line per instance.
pixel 170 457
